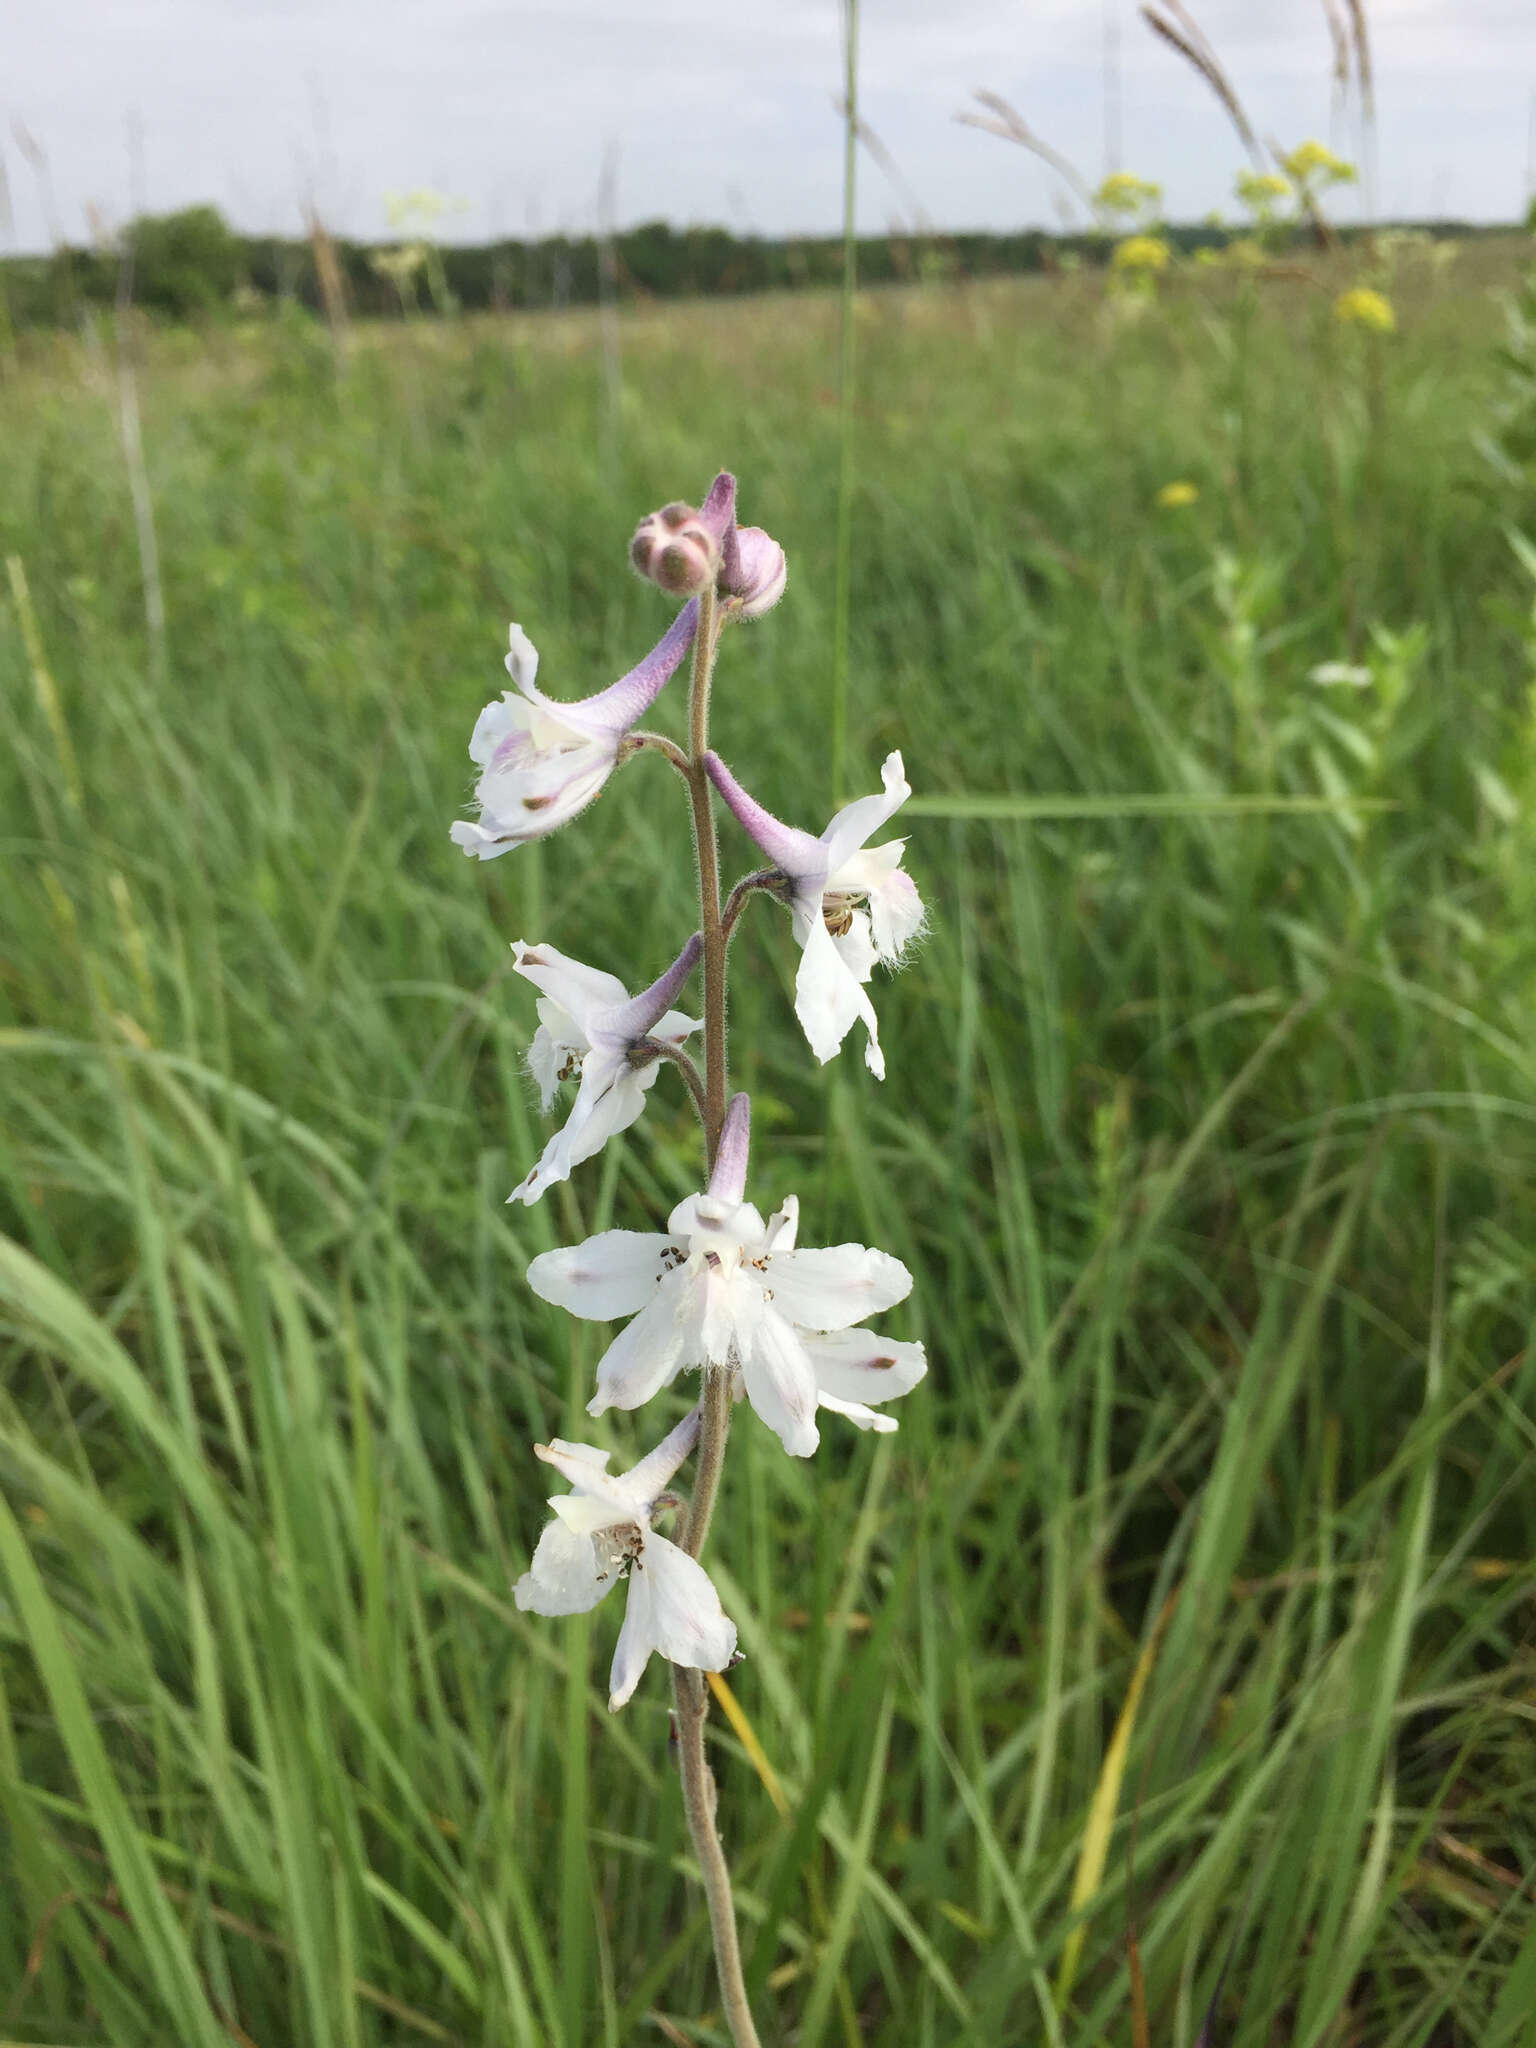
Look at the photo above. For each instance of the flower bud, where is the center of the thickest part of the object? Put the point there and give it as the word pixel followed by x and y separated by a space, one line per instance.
pixel 675 550
pixel 761 572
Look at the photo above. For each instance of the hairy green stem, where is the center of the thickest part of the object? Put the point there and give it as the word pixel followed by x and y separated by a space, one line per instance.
pixel 660 744
pixel 688 1686
pixel 654 1048
pixel 748 886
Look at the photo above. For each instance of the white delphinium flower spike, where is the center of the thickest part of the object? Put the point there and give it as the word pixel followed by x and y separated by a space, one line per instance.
pixel 722 1288
pixel 591 1025
pixel 602 1533
pixel 541 761
pixel 850 904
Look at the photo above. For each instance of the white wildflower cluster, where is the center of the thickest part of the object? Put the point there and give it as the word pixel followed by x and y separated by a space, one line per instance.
pixel 720 1290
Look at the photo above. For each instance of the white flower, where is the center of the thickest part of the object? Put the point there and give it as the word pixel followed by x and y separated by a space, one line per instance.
pixel 541 760
pixel 589 1024
pixel 723 1288
pixel 850 904
pixel 602 1533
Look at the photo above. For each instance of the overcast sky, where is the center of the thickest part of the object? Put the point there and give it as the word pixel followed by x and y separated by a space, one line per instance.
pixel 717 113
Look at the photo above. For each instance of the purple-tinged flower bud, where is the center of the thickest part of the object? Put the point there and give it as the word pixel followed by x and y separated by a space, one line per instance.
pixel 762 572
pixel 674 549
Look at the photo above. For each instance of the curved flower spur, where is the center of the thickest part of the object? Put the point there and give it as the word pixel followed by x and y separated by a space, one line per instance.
pixel 721 1290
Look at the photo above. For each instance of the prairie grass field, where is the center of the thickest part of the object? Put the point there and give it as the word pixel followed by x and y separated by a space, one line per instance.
pixel 1170 1676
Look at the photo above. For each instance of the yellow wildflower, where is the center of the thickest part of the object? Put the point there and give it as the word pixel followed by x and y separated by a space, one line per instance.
pixel 1316 160
pixel 1362 307
pixel 1124 192
pixel 1175 495
pixel 1142 252
pixel 1259 189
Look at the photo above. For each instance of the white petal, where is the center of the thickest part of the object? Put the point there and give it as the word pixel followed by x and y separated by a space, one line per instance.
pixel 856 1413
pixel 833 1287
pixel 642 1358
pixel 781 1385
pixel 674 1028
pixel 608 1105
pixel 610 1275
pixel 896 914
pixel 587 1512
pixel 584 1454
pixel 599 1499
pixel 477 842
pixel 858 821
pixel 608 1101
pixel 499 721
pixel 562 1577
pixel 636 1641
pixel 519 803
pixel 857 1365
pixel 545 1059
pixel 856 946
pixel 708 1223
pixel 522 659
pixel 687 1623
pixel 728 1308
pixel 782 1226
pixel 511 815
pixel 829 1000
pixel 869 869
pixel 581 991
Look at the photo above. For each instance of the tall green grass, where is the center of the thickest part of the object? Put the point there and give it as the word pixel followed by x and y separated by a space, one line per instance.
pixel 1209 1138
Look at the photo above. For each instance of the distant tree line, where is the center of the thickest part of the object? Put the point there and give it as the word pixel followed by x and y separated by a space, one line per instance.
pixel 192 264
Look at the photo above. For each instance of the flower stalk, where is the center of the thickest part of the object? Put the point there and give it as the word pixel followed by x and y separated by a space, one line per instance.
pixel 692 1697
pixel 699 1795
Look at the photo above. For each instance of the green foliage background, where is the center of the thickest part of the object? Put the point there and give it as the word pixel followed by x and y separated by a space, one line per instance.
pixel 1208 1137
